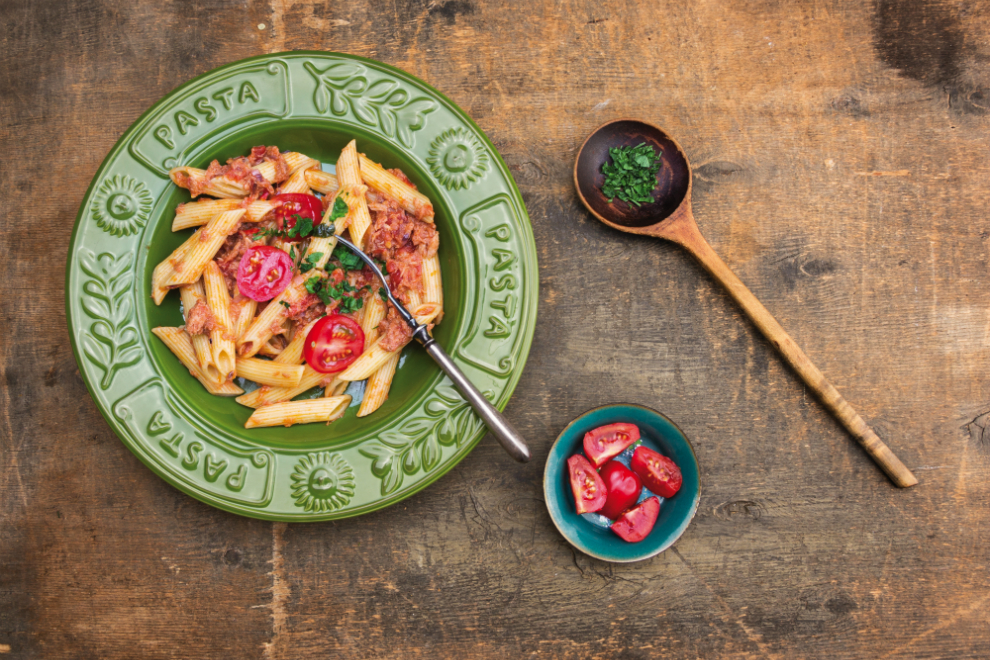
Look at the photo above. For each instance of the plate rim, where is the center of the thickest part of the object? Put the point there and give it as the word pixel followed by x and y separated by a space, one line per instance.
pixel 530 287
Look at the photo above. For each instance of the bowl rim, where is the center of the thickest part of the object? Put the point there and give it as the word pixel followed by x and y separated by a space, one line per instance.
pixel 684 525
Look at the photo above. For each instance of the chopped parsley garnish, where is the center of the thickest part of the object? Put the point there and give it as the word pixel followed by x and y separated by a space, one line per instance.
pixel 264 233
pixel 302 228
pixel 339 210
pixel 309 263
pixel 348 260
pixel 632 174
pixel 292 253
pixel 345 294
pixel 382 293
pixel 284 304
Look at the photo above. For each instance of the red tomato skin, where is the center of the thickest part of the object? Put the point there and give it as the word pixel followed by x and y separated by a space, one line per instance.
pixel 583 480
pixel 259 263
pixel 660 474
pixel 322 339
pixel 637 523
pixel 291 204
pixel 623 487
pixel 605 442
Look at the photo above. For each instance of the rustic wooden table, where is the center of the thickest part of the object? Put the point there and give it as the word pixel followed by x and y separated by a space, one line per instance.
pixel 840 161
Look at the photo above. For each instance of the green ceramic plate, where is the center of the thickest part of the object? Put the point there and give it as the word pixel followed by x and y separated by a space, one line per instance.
pixel 312 102
pixel 659 434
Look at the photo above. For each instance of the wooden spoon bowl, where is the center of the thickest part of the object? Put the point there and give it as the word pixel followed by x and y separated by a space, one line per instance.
pixel 669 216
pixel 673 179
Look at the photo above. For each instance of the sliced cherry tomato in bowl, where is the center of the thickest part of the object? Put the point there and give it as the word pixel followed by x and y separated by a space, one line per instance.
pixel 293 206
pixel 264 272
pixel 637 523
pixel 333 344
pixel 606 442
pixel 660 474
pixel 587 486
pixel 623 487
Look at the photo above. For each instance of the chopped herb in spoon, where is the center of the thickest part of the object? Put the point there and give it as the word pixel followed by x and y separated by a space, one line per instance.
pixel 632 174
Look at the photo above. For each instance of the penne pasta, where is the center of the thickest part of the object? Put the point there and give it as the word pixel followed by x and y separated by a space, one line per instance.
pixel 379 383
pixel 349 174
pixel 299 412
pixel 236 335
pixel 270 349
pixel 165 269
pixel 325 246
pixel 375 356
pixel 292 354
pixel 336 388
pixel 296 183
pixel 265 395
pixel 191 294
pixel 179 343
pixel 370 361
pixel 298 161
pixel 432 284
pixel 257 210
pixel 382 181
pixel 374 311
pixel 243 311
pixel 268 372
pixel 194 214
pixel 376 390
pixel 222 335
pixel 221 186
pixel 322 182
pixel 203 247
pixel 266 323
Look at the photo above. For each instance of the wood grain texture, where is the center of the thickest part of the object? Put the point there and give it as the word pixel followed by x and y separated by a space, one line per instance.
pixel 839 152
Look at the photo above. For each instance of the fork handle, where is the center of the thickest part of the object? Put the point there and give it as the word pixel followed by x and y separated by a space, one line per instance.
pixel 499 426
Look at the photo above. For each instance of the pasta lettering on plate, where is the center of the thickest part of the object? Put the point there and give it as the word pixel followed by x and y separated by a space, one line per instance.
pixel 243 476
pixel 182 121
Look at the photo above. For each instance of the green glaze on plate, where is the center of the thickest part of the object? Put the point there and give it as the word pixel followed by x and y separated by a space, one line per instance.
pixel 312 102
pixel 658 433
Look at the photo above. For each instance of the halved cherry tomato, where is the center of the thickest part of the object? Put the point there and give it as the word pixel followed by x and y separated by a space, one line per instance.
pixel 658 472
pixel 623 488
pixel 291 205
pixel 264 272
pixel 587 486
pixel 333 344
pixel 605 442
pixel 636 523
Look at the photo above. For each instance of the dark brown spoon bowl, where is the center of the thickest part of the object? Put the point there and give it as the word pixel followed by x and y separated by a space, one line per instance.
pixel 669 216
pixel 673 179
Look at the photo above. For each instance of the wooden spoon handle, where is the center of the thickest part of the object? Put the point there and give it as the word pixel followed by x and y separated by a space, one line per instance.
pixel 695 243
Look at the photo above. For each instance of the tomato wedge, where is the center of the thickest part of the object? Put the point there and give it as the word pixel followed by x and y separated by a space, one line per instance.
pixel 659 473
pixel 623 487
pixel 333 344
pixel 605 442
pixel 636 523
pixel 264 272
pixel 291 207
pixel 587 486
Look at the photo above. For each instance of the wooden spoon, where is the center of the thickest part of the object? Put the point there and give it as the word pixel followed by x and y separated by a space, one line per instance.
pixel 670 217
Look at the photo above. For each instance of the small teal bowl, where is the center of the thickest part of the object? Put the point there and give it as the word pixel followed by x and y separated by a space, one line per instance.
pixel 658 433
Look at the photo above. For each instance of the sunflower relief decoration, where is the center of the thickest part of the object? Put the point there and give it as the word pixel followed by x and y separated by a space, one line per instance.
pixel 121 205
pixel 322 482
pixel 457 159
